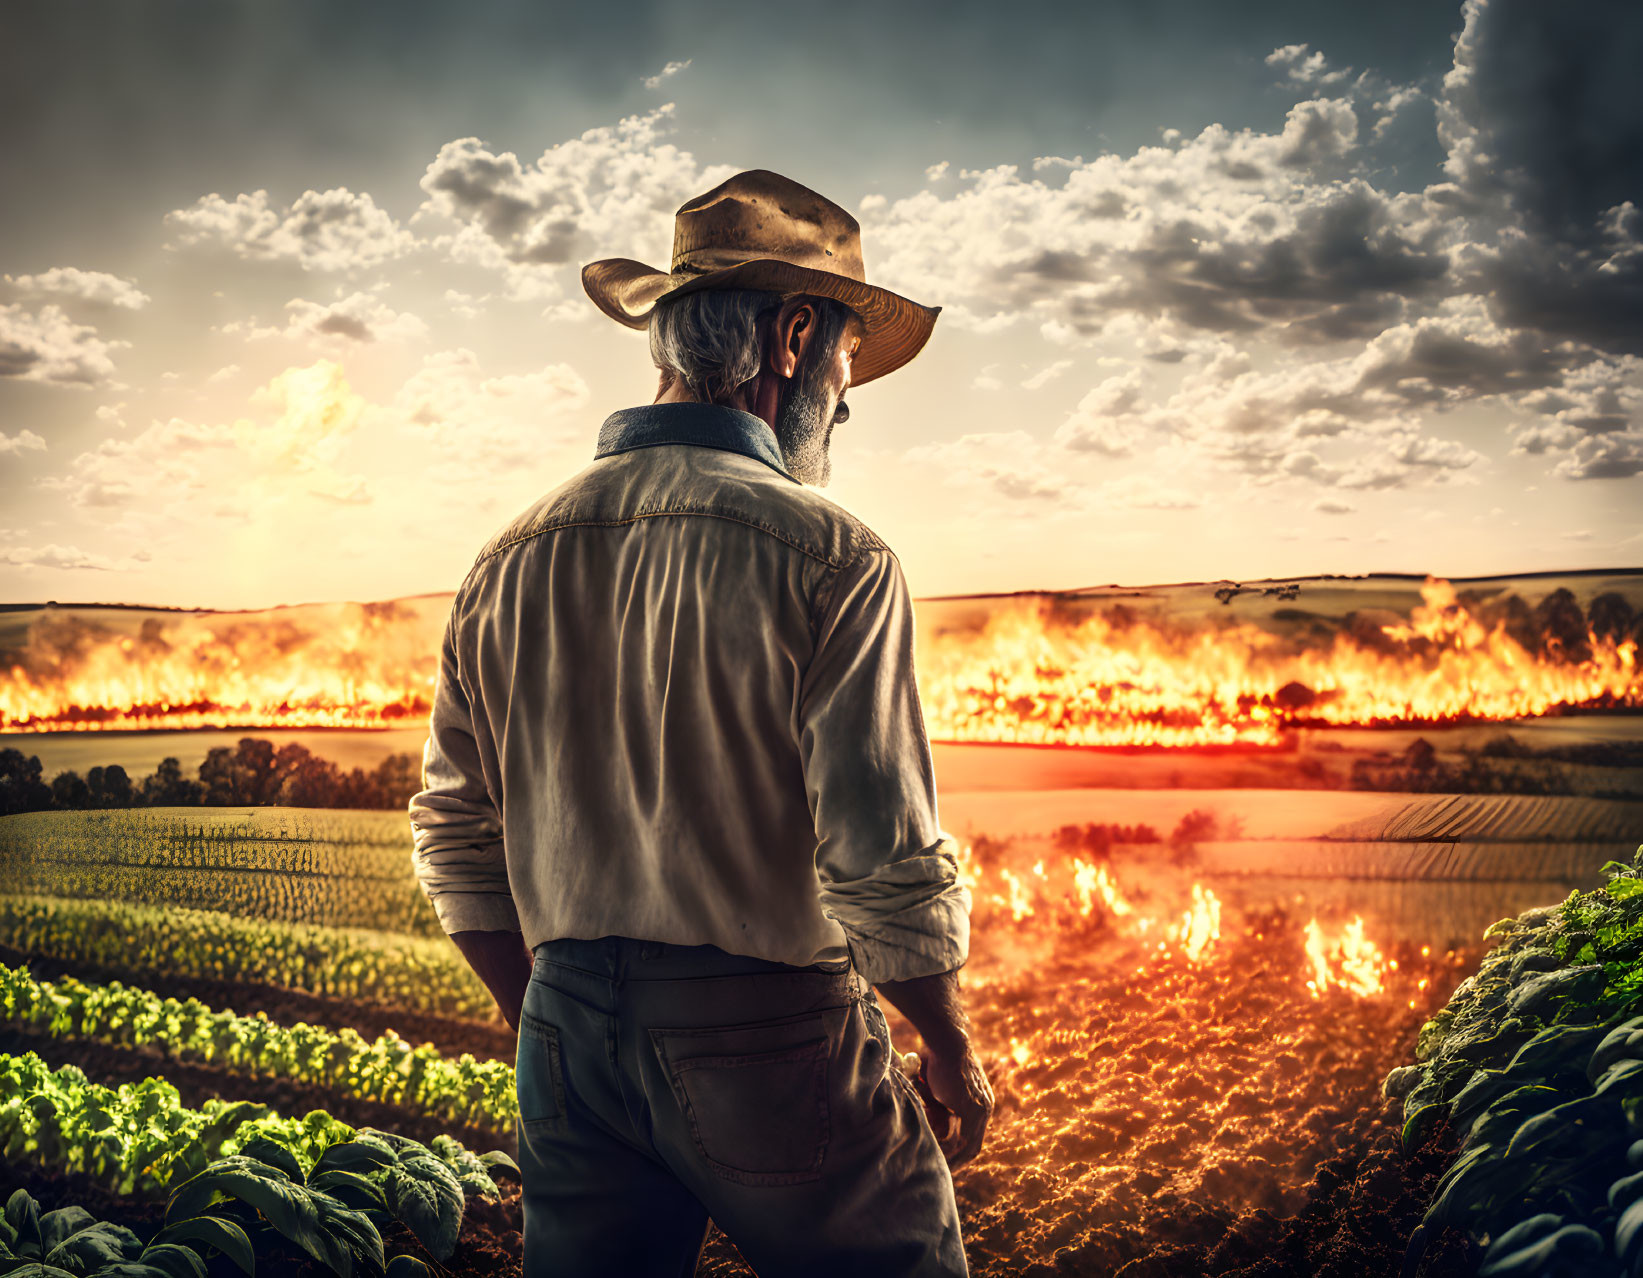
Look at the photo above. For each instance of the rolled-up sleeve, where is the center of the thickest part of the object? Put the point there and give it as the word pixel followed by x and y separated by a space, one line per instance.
pixel 888 874
pixel 456 830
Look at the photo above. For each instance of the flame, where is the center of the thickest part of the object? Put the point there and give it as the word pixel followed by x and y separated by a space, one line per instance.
pixel 1025 677
pixel 1091 881
pixel 1200 926
pixel 1100 681
pixel 1354 963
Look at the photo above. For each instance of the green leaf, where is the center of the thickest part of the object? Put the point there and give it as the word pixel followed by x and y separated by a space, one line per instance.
pixel 354 1156
pixel 173 1260
pixel 1565 1244
pixel 354 1229
pixel 1623 889
pixel 289 1208
pixel 351 1188
pixel 500 1158
pixel 212 1231
pixel 426 1195
pixel 98 1244
pixel 274 1154
pixel 56 1226
pixel 34 1269
pixel 408 1267
pixel 23 1218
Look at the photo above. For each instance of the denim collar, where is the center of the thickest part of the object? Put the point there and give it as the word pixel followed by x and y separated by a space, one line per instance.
pixel 704 425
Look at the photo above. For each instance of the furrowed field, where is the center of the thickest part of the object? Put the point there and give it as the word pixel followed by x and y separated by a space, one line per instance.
pixel 236 1040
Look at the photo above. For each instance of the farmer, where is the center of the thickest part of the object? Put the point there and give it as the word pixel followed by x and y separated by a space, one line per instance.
pixel 679 811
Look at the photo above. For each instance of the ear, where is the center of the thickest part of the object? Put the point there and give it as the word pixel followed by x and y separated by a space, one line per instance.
pixel 795 326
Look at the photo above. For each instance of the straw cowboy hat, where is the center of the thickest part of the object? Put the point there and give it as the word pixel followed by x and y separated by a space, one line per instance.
pixel 761 230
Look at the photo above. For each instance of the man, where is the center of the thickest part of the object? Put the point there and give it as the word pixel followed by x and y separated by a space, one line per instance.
pixel 679 810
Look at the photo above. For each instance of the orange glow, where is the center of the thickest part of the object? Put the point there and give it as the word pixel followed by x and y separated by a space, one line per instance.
pixel 1025 677
pixel 1353 963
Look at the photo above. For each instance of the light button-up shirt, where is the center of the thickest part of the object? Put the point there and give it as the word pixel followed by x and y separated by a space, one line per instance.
pixel 676 701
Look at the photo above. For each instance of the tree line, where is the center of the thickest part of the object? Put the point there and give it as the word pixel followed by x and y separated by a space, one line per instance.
pixel 252 773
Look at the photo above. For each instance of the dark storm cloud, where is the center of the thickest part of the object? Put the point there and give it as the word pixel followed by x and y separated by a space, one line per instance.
pixel 1544 110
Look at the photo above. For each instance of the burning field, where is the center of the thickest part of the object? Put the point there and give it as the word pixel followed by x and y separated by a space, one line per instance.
pixel 1187 997
pixel 1206 665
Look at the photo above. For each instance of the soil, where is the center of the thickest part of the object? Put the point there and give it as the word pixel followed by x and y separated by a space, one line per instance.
pixel 1157 1116
pixel 1171 1118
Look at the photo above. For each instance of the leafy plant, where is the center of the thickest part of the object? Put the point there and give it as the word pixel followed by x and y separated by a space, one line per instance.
pixel 70 1243
pixel 346 963
pixel 388 1069
pixel 1538 1061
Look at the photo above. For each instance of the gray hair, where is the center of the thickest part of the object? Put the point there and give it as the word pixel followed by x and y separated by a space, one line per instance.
pixel 709 338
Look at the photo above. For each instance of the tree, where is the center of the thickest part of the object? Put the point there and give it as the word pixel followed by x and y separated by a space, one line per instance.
pixel 110 787
pixel 398 777
pixel 69 790
pixel 167 787
pixel 21 786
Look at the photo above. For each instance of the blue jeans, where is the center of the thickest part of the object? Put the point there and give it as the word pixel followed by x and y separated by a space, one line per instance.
pixel 661 1085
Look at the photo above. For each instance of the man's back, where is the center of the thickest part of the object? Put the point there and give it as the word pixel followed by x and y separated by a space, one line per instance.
pixel 686 679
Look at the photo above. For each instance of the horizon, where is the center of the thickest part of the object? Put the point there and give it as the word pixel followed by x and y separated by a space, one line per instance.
pixel 15 605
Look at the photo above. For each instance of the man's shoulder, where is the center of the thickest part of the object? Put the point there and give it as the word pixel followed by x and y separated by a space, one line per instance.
pixel 684 481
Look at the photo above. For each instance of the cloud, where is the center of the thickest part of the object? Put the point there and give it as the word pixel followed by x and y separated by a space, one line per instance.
pixel 49 347
pixel 1541 118
pixel 611 192
pixel 357 318
pixel 87 286
pixel 1305 66
pixel 668 72
pixel 1046 375
pixel 54 556
pixel 334 230
pixel 292 451
pixel 483 425
pixel 1005 463
pixel 1106 420
pixel 1143 492
pixel 23 440
pixel 1329 506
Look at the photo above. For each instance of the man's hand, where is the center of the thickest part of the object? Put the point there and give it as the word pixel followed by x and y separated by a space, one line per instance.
pixel 503 963
pixel 952 1071
pixel 959 1084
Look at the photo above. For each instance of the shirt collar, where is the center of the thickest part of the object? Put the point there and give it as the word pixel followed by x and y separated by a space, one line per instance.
pixel 704 425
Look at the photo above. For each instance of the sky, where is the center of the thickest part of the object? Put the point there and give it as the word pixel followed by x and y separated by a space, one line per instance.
pixel 290 302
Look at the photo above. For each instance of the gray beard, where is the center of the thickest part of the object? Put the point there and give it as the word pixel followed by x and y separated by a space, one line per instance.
pixel 805 430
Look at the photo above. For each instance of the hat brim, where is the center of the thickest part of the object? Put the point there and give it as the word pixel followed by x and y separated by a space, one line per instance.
pixel 895 327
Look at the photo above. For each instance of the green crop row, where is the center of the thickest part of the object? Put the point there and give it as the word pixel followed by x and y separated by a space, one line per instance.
pixel 1537 1061
pixel 389 1070
pixel 416 973
pixel 237 1166
pixel 335 869
pixel 284 896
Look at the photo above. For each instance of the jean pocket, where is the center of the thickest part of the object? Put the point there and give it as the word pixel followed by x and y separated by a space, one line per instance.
pixel 755 1096
pixel 539 1074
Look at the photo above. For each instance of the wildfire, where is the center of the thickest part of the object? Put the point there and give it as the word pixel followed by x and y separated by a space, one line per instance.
pixel 1025 677
pixel 1065 900
pixel 1353 963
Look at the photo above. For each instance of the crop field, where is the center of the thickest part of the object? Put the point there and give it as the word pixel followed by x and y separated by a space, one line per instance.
pixel 1195 1051
pixel 1307 940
